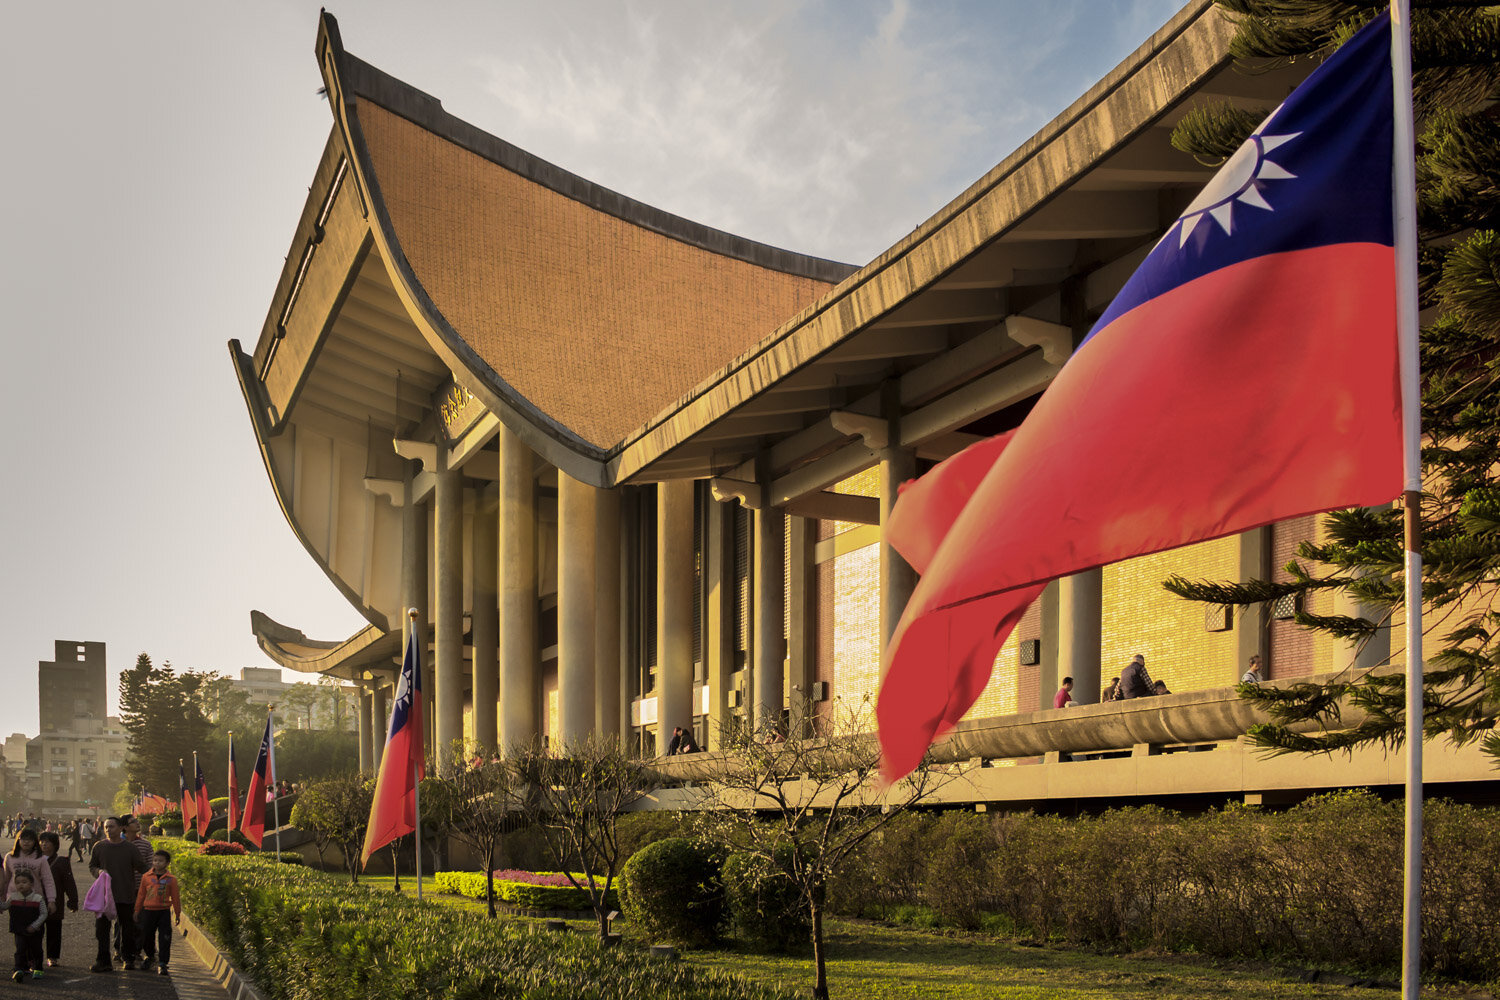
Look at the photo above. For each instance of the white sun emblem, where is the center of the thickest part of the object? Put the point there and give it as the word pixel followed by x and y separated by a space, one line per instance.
pixel 1238 180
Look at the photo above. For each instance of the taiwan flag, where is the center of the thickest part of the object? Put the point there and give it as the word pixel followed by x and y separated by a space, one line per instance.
pixel 234 789
pixel 185 795
pixel 253 822
pixel 1245 374
pixel 393 813
pixel 205 812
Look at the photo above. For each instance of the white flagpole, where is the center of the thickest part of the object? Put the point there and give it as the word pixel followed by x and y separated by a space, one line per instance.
pixel 271 766
pixel 1403 174
pixel 416 778
pixel 202 833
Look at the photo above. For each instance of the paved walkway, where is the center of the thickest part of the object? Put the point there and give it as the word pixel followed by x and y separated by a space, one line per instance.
pixel 72 980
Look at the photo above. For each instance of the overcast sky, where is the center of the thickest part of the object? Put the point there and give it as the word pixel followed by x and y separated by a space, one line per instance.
pixel 156 160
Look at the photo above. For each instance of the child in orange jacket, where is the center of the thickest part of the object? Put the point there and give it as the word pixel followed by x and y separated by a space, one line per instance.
pixel 158 897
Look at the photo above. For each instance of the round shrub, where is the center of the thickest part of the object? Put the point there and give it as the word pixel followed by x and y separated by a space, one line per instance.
pixel 958 883
pixel 220 847
pixel 291 858
pixel 233 836
pixel 765 903
pixel 674 890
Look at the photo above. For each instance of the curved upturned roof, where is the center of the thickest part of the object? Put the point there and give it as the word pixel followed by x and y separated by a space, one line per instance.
pixel 544 288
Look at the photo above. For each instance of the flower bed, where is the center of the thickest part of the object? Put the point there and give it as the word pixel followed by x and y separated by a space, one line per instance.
pixel 304 935
pixel 527 890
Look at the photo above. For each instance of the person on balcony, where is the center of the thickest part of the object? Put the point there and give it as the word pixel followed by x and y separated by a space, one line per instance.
pixel 1135 682
pixel 1253 675
pixel 1064 696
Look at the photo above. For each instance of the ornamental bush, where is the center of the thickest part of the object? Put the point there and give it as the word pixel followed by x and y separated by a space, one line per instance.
pixel 220 847
pixel 675 890
pixel 298 934
pixel 527 890
pixel 765 904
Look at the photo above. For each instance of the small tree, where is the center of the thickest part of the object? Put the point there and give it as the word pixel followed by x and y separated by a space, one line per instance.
pixel 824 798
pixel 481 807
pixel 338 807
pixel 575 797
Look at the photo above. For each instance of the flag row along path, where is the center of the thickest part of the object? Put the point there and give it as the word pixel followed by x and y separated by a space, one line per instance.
pixel 72 980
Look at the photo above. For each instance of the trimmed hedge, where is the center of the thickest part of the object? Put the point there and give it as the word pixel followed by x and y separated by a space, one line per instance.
pixel 673 888
pixel 522 894
pixel 303 935
pixel 1318 883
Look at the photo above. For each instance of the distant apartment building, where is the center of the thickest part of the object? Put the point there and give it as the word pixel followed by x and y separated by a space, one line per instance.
pixel 310 706
pixel 66 769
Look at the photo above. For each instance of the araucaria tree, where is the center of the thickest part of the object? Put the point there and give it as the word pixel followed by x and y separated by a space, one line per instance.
pixel 163 717
pixel 804 804
pixel 1456 57
pixel 575 796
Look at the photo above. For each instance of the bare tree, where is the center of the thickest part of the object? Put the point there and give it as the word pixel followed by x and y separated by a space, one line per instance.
pixel 575 797
pixel 824 797
pixel 338 808
pixel 482 807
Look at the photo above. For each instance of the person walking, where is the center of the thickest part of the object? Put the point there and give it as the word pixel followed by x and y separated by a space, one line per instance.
pixel 143 848
pixel 27 856
pixel 67 894
pixel 155 901
pixel 122 862
pixel 28 912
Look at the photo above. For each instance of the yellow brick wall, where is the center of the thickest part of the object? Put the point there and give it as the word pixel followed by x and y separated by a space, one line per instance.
pixel 1140 617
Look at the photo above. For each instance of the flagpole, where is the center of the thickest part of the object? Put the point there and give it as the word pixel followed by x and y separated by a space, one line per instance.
pixel 202 833
pixel 271 762
pixel 416 777
pixel 1403 175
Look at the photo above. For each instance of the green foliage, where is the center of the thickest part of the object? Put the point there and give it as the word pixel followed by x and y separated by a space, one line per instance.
pixel 1319 883
pixel 337 809
pixel 522 894
pixel 673 888
pixel 1454 53
pixel 301 935
pixel 765 902
pixel 164 722
pixel 638 829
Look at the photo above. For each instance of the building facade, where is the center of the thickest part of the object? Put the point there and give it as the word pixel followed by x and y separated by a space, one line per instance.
pixel 72 686
pixel 631 472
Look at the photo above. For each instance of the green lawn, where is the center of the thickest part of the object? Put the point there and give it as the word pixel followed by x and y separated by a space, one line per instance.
pixel 876 962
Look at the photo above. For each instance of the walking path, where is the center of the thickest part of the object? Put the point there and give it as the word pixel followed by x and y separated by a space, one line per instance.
pixel 72 980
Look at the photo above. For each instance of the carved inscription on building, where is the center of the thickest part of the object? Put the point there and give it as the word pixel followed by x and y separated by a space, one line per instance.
pixel 457 409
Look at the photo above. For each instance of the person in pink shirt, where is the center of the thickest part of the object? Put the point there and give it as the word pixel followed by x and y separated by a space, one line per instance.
pixel 1064 696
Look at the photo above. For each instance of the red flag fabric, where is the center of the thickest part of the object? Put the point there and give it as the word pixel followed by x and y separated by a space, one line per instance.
pixel 253 822
pixel 393 813
pixel 186 795
pixel 205 812
pixel 234 789
pixel 1247 373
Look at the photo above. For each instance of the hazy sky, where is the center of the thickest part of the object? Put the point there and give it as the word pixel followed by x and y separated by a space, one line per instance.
pixel 157 156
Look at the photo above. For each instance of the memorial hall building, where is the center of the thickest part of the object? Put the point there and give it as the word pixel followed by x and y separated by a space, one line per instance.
pixel 632 471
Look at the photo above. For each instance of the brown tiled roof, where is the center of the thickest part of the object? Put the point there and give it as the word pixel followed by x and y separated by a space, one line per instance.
pixel 599 323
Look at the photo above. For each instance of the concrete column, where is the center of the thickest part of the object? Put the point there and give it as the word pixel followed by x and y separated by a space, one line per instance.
pixel 1080 610
pixel 576 558
pixel 770 608
pixel 1253 624
pixel 607 613
pixel 674 608
pixel 366 729
pixel 1048 678
pixel 520 678
pixel 801 606
pixel 718 612
pixel 448 653
pixel 1358 655
pixel 380 722
pixel 897 579
pixel 485 616
pixel 414 590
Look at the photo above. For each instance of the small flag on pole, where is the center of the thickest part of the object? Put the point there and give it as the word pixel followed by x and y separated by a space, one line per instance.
pixel 253 822
pixel 1246 373
pixel 234 790
pixel 393 813
pixel 185 796
pixel 205 812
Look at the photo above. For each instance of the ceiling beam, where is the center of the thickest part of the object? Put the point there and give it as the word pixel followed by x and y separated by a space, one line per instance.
pixel 1092 215
pixel 829 506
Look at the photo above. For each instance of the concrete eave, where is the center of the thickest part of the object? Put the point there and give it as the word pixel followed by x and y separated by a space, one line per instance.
pixel 371 649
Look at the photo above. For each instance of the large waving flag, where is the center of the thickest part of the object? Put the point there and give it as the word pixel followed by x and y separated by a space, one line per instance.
pixel 253 822
pixel 205 811
pixel 234 790
pixel 185 795
pixel 1245 374
pixel 393 813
